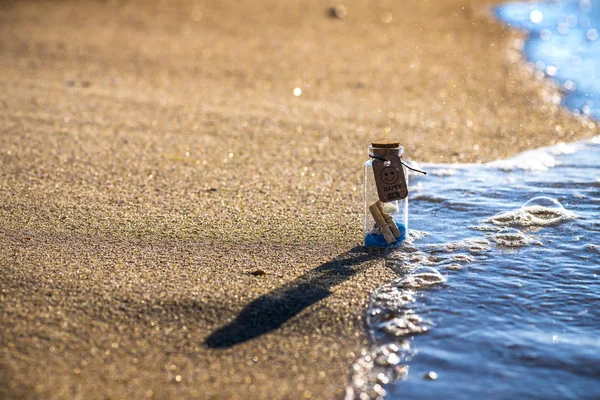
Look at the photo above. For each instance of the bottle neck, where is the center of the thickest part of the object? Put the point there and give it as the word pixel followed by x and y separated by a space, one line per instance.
pixel 376 152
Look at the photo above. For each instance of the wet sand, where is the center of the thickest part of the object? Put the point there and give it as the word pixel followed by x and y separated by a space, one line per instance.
pixel 176 222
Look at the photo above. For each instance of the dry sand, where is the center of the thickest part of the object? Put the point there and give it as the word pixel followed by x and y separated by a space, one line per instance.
pixel 153 155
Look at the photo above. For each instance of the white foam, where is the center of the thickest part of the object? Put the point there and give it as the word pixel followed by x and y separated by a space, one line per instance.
pixel 422 277
pixel 403 325
pixel 443 172
pixel 511 237
pixel 534 160
pixel 539 159
pixel 473 245
pixel 453 267
pixel 539 211
pixel 464 258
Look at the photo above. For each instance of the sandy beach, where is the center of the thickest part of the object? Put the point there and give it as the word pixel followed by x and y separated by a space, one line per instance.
pixel 181 182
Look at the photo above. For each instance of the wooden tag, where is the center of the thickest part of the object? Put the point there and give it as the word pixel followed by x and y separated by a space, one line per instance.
pixel 390 179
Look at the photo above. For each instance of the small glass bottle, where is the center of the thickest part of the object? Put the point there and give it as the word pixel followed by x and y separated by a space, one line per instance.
pixel 373 232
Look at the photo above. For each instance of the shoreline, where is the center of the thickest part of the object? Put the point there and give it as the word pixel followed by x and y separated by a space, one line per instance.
pixel 167 160
pixel 492 239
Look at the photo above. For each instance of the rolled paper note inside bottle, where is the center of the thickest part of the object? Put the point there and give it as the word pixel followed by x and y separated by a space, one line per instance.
pixel 381 224
pixel 389 220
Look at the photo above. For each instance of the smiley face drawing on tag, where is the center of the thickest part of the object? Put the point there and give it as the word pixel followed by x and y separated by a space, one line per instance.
pixel 389 175
pixel 389 178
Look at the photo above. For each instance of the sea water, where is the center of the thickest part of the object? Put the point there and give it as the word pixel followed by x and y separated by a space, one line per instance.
pixel 564 43
pixel 498 288
pixel 498 291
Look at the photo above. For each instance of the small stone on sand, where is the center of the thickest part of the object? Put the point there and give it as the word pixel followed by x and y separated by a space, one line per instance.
pixel 338 11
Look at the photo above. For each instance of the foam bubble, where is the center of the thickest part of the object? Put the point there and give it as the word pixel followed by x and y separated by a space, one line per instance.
pixel 539 211
pixel 511 237
pixel 472 245
pixel 403 325
pixel 486 227
pixel 390 296
pixel 408 259
pixel 464 258
pixel 453 267
pixel 422 277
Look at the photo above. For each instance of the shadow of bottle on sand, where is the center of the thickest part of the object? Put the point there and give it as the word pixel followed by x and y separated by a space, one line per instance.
pixel 270 311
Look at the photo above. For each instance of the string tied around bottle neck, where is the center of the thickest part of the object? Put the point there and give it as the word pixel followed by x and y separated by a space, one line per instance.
pixel 403 163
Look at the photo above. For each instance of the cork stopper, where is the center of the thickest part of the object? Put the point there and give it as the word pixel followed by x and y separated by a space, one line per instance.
pixel 386 144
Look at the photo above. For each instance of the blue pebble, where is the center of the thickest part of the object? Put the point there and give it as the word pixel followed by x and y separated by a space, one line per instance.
pixel 377 240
